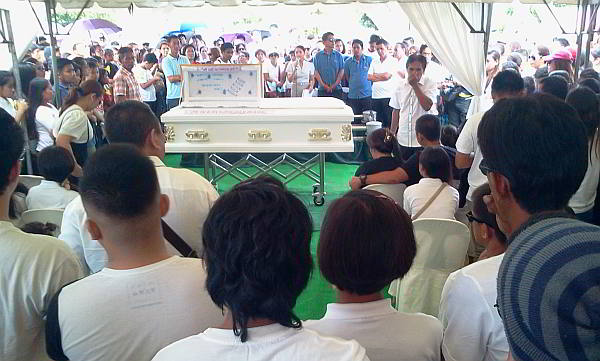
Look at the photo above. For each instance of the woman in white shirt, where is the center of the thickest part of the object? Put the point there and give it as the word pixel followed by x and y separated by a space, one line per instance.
pixel 74 130
pixel 7 91
pixel 367 241
pixel 586 103
pixel 432 197
pixel 42 116
pixel 301 74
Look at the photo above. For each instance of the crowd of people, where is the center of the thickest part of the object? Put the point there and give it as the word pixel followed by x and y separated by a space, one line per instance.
pixel 152 264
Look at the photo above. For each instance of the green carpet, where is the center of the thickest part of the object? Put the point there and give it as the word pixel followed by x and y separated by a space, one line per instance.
pixel 312 302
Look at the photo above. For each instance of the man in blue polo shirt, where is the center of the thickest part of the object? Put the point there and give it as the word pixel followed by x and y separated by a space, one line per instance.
pixel 171 67
pixel 356 69
pixel 329 69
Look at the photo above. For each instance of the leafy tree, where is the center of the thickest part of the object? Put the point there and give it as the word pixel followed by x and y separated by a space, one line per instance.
pixel 69 17
pixel 367 22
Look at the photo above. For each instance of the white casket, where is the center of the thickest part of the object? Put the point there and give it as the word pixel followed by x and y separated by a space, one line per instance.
pixel 280 125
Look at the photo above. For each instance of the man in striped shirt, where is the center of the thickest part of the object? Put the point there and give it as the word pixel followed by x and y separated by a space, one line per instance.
pixel 125 86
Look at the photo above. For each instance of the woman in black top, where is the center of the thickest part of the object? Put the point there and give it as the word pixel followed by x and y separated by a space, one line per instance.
pixel 385 151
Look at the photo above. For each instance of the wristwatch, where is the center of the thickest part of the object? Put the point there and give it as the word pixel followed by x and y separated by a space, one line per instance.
pixel 363 180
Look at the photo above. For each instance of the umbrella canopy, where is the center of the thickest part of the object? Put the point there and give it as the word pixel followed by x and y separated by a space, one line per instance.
pixel 185 27
pixel 97 24
pixel 229 37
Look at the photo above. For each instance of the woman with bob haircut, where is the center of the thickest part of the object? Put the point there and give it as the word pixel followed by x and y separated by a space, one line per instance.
pixel 366 242
pixel 432 197
pixel 257 255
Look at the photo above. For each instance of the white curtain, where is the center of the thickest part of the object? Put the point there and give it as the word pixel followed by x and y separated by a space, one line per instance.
pixel 452 42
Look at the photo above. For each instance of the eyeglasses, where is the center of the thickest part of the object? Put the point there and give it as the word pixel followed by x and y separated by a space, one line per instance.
pixel 485 168
pixel 472 219
pixel 329 39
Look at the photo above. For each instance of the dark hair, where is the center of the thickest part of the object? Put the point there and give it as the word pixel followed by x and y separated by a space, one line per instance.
pixel 586 103
pixel 274 54
pixel 422 48
pixel 359 42
pixel 55 163
pixel 226 46
pixel 590 83
pixel 260 51
pixel 566 65
pixel 343 45
pixel 92 62
pixel 510 65
pixel 123 51
pixel 130 122
pixel 185 48
pixel 417 58
pixel 169 38
pixel 515 58
pixel 481 212
pixel 238 46
pixel 555 85
pixel 541 73
pixel 383 141
pixel 297 47
pixel 86 88
pixel 543 50
pixel 35 98
pixel 81 63
pixel 61 63
pixel 11 146
pixel 374 38
pixel 436 163
pixel 539 144
pixel 366 242
pixel 382 41
pixel 589 73
pixel 119 181
pixel 562 41
pixel 494 54
pixel 6 76
pixel 151 58
pixel 428 125
pixel 507 82
pixel 326 35
pixel 529 84
pixel 26 74
pixel 256 241
pixel 46 229
pixel 501 48
pixel 449 136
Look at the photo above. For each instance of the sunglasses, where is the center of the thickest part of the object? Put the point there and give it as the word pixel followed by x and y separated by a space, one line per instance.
pixel 472 219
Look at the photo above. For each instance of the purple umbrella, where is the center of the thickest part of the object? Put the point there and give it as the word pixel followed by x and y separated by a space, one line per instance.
pixel 229 37
pixel 97 24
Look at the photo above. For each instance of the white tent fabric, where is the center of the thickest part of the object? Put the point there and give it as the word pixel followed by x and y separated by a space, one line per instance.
pixel 450 39
pixel 77 4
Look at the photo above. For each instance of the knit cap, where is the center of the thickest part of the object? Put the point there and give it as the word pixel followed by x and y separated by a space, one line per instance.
pixel 549 290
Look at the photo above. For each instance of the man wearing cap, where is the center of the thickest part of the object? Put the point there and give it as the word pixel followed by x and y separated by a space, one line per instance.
pixel 559 63
pixel 535 157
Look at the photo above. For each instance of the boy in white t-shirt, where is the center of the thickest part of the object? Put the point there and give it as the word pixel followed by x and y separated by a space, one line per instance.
pixel 258 261
pixel 55 165
pixel 144 298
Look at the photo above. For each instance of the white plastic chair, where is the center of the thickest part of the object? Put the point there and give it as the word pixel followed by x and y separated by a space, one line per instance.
pixel 30 180
pixel 441 249
pixel 50 215
pixel 394 191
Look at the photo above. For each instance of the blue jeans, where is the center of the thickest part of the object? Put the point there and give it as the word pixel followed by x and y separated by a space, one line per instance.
pixel 172 103
pixel 587 217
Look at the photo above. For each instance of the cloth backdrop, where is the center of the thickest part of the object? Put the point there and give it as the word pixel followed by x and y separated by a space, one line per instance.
pixel 452 42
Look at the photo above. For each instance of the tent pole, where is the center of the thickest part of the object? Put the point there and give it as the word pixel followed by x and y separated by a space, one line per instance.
pixel 54 58
pixel 488 29
pixel 590 33
pixel 584 4
pixel 20 95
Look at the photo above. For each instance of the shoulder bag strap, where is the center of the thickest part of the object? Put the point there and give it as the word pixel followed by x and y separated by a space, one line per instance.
pixel 180 245
pixel 429 201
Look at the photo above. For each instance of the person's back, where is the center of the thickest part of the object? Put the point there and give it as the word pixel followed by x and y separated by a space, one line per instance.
pixel 49 194
pixel 144 298
pixel 366 242
pixel 32 267
pixel 257 256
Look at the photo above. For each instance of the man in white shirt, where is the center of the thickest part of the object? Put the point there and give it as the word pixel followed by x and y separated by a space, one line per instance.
pixel 55 165
pixel 414 97
pixel 384 75
pixel 191 196
pixel 258 261
pixel 144 77
pixel 145 298
pixel 32 267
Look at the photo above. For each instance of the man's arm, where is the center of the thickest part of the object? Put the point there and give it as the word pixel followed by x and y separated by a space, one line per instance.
pixel 425 102
pixel 174 78
pixel 395 121
pixel 395 176
pixel 339 78
pixel 463 160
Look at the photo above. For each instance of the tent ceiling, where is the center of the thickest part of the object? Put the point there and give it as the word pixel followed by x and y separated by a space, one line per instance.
pixel 77 4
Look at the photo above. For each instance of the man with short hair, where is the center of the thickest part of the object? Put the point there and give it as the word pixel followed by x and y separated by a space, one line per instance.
pixel 373 39
pixel 144 298
pixel 535 157
pixel 171 65
pixel 226 54
pixel 109 58
pixel 384 75
pixel 32 267
pixel 555 85
pixel 125 86
pixel 66 79
pixel 356 70
pixel 191 196
pixel 143 74
pixel 329 69
pixel 415 96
